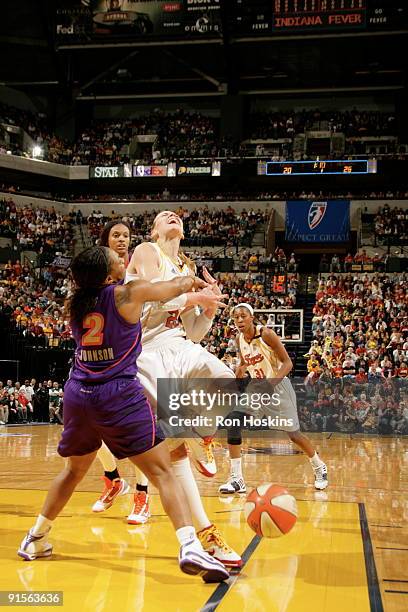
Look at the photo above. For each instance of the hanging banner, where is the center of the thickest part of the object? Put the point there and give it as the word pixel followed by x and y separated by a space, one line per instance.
pixel 308 221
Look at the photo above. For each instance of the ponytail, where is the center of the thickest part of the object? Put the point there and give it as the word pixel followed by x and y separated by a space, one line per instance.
pixel 90 269
pixel 81 303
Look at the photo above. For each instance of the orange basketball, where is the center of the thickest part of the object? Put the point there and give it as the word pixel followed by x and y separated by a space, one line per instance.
pixel 270 510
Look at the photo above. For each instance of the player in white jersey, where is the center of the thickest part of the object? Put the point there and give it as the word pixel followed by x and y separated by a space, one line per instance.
pixel 171 333
pixel 263 356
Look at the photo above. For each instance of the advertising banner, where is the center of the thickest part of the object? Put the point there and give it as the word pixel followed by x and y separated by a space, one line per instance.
pixel 195 168
pixel 109 172
pixel 149 170
pixel 156 18
pixel 73 21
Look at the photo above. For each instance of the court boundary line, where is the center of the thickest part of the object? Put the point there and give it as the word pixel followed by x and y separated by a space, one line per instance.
pixel 389 548
pixel 224 587
pixel 387 526
pixel 374 592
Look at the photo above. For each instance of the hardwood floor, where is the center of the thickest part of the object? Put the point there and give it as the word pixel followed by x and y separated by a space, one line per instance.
pixel 348 550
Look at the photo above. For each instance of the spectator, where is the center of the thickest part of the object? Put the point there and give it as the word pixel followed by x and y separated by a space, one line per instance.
pixel 335 264
pixel 56 406
pixel 17 411
pixel 41 403
pixel 4 405
pixel 55 398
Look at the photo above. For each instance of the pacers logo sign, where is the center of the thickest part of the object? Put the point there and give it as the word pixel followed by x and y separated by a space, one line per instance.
pixel 316 214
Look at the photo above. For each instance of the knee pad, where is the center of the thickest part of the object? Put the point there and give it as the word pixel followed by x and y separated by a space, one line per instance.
pixel 234 436
pixel 234 440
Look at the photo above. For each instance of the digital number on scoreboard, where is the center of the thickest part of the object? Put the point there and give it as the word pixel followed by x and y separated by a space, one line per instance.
pixel 302 168
pixel 278 284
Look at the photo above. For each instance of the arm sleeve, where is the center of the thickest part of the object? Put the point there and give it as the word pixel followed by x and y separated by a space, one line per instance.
pixel 196 326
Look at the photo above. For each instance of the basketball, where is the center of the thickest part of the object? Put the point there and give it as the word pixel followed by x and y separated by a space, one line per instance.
pixel 270 510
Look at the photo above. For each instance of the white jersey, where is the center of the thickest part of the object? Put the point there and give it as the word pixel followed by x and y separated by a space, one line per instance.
pixel 260 358
pixel 262 362
pixel 161 326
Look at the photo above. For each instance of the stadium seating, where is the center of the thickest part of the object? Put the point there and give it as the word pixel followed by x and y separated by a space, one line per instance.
pixel 277 125
pixel 37 229
pixel 202 226
pixel 363 319
pixel 183 134
pixel 391 226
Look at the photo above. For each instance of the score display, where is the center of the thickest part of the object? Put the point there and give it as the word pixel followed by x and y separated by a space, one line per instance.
pixel 304 168
pixel 274 17
pixel 278 284
pixel 293 15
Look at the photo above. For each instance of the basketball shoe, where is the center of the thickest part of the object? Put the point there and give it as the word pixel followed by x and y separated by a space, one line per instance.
pixel 234 484
pixel 320 472
pixel 35 546
pixel 113 488
pixel 140 513
pixel 213 543
pixel 195 561
pixel 202 455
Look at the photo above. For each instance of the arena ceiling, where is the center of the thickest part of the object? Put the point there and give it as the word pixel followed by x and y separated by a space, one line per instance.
pixel 287 65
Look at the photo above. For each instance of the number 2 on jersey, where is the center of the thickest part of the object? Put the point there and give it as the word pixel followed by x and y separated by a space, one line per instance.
pixel 94 323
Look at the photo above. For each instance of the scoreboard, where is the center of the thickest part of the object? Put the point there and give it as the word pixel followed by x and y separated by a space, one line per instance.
pixel 345 167
pixel 274 17
pixel 88 21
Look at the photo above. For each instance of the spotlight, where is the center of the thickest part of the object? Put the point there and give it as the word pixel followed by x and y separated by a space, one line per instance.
pixel 37 152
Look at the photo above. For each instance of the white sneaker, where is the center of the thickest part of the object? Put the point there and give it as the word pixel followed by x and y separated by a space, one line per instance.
pixel 113 488
pixel 140 513
pixel 234 484
pixel 202 456
pixel 193 560
pixel 321 481
pixel 33 547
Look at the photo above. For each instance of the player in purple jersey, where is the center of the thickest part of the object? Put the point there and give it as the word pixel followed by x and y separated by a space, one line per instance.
pixel 104 400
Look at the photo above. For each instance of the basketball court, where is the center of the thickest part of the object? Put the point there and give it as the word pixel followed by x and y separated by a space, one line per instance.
pixel 348 550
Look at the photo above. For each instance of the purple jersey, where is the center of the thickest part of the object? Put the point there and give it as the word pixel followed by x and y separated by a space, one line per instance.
pixel 107 345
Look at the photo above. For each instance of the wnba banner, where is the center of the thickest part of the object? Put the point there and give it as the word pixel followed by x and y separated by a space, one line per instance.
pixel 308 221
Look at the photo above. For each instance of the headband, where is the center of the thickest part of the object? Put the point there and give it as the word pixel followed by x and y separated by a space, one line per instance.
pixel 247 306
